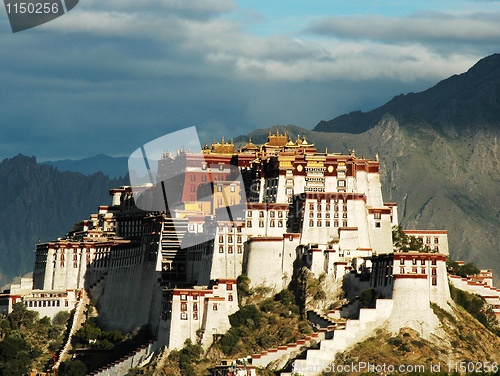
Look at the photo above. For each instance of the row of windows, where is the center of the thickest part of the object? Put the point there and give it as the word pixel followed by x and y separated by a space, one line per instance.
pixel 415 270
pixel 272 223
pixel 230 248
pixel 319 223
pixel 328 207
pixel 239 238
pixel 45 303
pixel 327 215
pixel 229 228
pixel 414 261
pixel 272 213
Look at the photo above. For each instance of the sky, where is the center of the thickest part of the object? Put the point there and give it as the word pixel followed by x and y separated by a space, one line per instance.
pixel 112 75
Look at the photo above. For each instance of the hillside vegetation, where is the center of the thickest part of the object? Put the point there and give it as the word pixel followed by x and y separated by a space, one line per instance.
pixel 27 339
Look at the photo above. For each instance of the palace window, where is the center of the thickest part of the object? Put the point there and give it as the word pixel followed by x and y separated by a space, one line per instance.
pixel 261 214
pixel 221 167
pixel 428 240
pixel 195 315
pixel 230 249
pixel 344 215
pixel 327 215
pixel 336 224
pixel 327 223
pixel 221 249
pixel 414 261
pixel 311 223
pixel 230 238
pixel 195 306
pixel 377 224
pixel 377 215
pixel 434 281
pixel 221 238
pixel 280 223
pixel 184 316
pixel 184 306
pixel 436 248
pixel 230 297
pixel 289 191
pixel 249 213
pixel 249 223
pixel 229 287
pixel 280 214
pixel 401 261
pixel 341 183
pixel 319 223
pixel 434 271
pixel 436 240
pixel 261 223
pixel 434 261
pixel 401 270
pixel 271 214
pixel 272 223
pixel 311 206
pixel 239 238
pixel 311 214
pixel 422 262
pixel 239 249
pixel 423 271
pixel 183 297
pixel 319 207
pixel 214 307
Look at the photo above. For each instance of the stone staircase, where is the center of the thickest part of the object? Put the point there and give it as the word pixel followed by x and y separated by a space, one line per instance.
pixel 355 331
pixel 265 357
pixel 137 358
pixel 96 289
pixel 78 320
pixel 325 321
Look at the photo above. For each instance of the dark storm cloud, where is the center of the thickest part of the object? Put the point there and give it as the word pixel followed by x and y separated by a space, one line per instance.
pixel 111 76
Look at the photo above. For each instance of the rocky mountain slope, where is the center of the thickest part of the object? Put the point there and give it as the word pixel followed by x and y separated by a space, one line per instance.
pixel 457 106
pixel 40 202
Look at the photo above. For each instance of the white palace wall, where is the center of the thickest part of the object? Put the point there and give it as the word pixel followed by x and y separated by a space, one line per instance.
pixel 131 289
pixel 269 260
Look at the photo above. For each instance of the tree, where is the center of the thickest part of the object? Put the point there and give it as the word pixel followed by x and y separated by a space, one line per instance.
pixel 405 243
pixel 72 368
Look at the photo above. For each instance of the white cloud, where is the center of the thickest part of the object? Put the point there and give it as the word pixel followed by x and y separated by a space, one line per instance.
pixel 422 28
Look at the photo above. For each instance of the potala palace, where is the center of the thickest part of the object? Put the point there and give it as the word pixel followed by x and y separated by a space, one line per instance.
pixel 263 211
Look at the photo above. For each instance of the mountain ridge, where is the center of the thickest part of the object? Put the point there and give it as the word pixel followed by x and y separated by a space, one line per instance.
pixel 451 106
pixel 114 167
